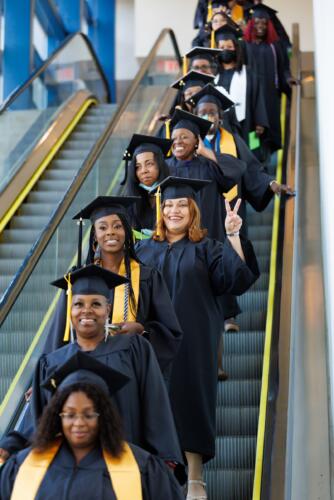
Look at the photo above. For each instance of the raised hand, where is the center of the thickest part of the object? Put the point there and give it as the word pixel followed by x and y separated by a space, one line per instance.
pixel 233 221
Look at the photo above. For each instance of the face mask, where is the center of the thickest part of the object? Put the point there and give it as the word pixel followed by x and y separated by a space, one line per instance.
pixel 227 56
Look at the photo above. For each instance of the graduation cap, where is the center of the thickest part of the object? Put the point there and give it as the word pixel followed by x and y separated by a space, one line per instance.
pixel 202 53
pixel 260 10
pixel 227 32
pixel 209 93
pixel 88 280
pixel 192 79
pixel 141 144
pixel 180 187
pixel 196 125
pixel 82 368
pixel 100 207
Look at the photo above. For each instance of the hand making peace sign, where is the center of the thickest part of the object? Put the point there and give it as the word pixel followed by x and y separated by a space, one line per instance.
pixel 233 221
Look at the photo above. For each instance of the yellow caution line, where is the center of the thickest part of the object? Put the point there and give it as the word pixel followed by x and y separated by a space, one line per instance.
pixel 45 163
pixel 269 326
pixel 56 298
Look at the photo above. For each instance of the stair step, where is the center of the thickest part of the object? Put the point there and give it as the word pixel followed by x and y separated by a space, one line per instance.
pixel 229 484
pixel 243 366
pixel 234 453
pixel 237 421
pixel 239 393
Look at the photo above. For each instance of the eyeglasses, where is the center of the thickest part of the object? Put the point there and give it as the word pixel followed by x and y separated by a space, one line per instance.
pixel 72 417
pixel 202 67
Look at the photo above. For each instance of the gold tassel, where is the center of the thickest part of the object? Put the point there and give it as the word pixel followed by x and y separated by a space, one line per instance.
pixel 209 16
pixel 167 129
pixel 68 309
pixel 158 209
pixel 213 42
pixel 185 65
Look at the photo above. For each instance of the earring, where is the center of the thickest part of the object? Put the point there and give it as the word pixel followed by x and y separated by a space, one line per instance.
pixel 71 333
pixel 106 330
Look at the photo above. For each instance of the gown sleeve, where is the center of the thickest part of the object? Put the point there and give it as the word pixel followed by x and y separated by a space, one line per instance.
pixel 7 477
pixel 16 440
pixel 227 171
pixel 255 182
pixel 228 272
pixel 156 409
pixel 158 482
pixel 162 326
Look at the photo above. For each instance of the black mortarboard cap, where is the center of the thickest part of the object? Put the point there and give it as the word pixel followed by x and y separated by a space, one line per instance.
pixel 180 187
pixel 261 10
pixel 202 53
pixel 143 143
pixel 227 32
pixel 192 79
pixel 91 280
pixel 209 93
pixel 106 205
pixel 82 368
pixel 219 3
pixel 183 119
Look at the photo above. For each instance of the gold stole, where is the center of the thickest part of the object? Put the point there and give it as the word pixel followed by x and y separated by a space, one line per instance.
pixel 227 146
pixel 124 473
pixel 237 14
pixel 119 294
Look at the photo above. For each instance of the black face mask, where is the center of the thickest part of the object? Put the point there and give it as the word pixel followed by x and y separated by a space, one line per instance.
pixel 227 56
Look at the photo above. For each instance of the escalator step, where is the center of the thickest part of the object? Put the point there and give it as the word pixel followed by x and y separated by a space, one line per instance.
pixel 259 218
pixel 236 452
pixel 37 208
pixel 10 363
pixel 59 175
pixel 87 127
pixel 44 196
pixel 32 221
pixel 253 301
pixel 60 186
pixel 11 341
pixel 238 393
pixel 237 421
pixel 74 145
pixel 261 247
pixel 225 484
pixel 7 250
pixel 68 155
pixel 244 343
pixel 239 366
pixel 21 235
pixel 252 320
pixel 9 266
pixel 260 232
pixel 66 164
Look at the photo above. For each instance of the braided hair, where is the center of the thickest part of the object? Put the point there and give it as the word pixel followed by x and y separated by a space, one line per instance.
pixel 129 253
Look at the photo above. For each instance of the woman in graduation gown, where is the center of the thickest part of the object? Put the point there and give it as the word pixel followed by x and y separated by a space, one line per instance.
pixel 191 159
pixel 143 306
pixel 266 58
pixel 79 450
pixel 196 270
pixel 143 402
pixel 241 84
pixel 146 167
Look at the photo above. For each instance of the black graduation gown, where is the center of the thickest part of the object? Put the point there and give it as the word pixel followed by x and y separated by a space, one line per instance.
pixel 155 313
pixel 143 402
pixel 66 480
pixel 196 273
pixel 256 113
pixel 209 199
pixel 269 64
pixel 200 14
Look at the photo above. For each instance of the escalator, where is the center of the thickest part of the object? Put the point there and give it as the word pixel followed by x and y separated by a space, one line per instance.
pixel 40 242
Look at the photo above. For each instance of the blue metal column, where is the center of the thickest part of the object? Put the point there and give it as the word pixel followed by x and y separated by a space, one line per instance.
pixel 17 56
pixel 71 13
pixel 102 35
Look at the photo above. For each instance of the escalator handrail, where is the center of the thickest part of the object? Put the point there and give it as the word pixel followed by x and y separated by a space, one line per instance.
pixel 22 87
pixel 31 259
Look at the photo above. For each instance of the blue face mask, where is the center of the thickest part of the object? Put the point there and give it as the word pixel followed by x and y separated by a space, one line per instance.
pixel 149 188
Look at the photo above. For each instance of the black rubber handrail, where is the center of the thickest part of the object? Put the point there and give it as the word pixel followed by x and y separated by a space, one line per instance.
pixel 21 88
pixel 31 259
